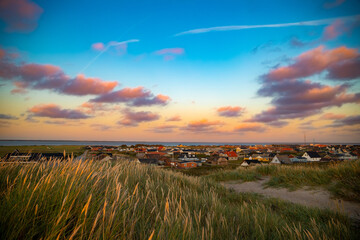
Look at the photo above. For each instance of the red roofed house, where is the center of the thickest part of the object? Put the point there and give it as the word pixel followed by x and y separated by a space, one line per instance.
pixel 154 155
pixel 186 164
pixel 287 150
pixel 232 156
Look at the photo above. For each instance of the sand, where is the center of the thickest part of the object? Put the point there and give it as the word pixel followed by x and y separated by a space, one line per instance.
pixel 309 197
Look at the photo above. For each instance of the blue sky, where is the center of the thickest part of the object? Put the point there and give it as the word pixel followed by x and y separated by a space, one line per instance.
pixel 198 72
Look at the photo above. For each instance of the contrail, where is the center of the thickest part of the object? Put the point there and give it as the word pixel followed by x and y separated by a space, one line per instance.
pixel 111 44
pixel 240 27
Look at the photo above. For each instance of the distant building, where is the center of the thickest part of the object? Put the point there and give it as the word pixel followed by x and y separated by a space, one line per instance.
pixel 248 163
pixel 312 156
pixel 186 164
pixel 281 159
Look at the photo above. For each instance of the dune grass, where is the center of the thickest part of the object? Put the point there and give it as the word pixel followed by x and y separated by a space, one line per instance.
pixel 97 200
pixel 342 179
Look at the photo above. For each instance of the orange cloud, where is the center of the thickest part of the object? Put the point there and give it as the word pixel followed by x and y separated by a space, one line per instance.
pixel 138 96
pixel 312 62
pixel 202 125
pixel 174 118
pixel 332 116
pixel 132 118
pixel 229 111
pixel 84 86
pixel 54 111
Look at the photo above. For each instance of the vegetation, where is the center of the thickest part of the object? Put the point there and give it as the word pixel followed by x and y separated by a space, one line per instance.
pixel 99 200
pixel 207 169
pixel 76 150
pixel 342 179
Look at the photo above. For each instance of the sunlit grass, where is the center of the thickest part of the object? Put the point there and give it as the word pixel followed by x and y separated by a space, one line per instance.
pixel 342 179
pixel 99 200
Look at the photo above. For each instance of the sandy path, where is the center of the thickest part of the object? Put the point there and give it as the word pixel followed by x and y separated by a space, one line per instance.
pixel 312 198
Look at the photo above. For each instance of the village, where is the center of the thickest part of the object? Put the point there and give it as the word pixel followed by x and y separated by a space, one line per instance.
pixel 186 157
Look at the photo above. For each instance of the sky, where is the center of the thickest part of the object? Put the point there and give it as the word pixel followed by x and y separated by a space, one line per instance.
pixel 191 71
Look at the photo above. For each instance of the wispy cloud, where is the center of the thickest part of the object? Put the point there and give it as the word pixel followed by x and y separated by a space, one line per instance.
pixel 101 47
pixel 279 25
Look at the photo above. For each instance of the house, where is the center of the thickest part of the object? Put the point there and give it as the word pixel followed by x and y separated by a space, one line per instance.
pixel 312 156
pixel 347 156
pixel 171 163
pixel 186 164
pixel 96 148
pixel 219 161
pixel 248 163
pixel 16 155
pixel 281 159
pixel 48 156
pixel 295 159
pixel 154 155
pixel 188 157
pixel 232 156
pixel 286 149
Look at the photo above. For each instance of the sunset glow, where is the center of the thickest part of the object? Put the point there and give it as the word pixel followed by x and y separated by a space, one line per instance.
pixel 207 71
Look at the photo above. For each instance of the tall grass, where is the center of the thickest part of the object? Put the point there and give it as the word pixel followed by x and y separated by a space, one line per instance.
pixel 94 200
pixel 341 179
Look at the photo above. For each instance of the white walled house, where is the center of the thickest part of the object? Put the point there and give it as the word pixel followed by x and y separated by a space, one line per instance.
pixel 312 156
pixel 281 159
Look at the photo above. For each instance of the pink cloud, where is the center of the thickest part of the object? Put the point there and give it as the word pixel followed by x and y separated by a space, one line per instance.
pixel 175 118
pixel 91 108
pixel 334 3
pixel 334 30
pixel 54 111
pixel 175 51
pixel 46 76
pixel 293 98
pixel 332 116
pixel 123 95
pixel 348 121
pixel 2 53
pixel 132 118
pixel 345 70
pixel 81 85
pixel 20 15
pixel 138 96
pixel 98 46
pixel 202 125
pixel 20 88
pixel 300 99
pixel 170 53
pixel 229 111
pixel 164 129
pixel 312 62
pixel 249 127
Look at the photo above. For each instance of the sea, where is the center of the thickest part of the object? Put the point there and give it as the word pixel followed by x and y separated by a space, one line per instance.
pixel 129 143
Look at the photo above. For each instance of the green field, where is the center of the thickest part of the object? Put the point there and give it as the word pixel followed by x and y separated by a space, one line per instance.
pixel 122 200
pixel 77 150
